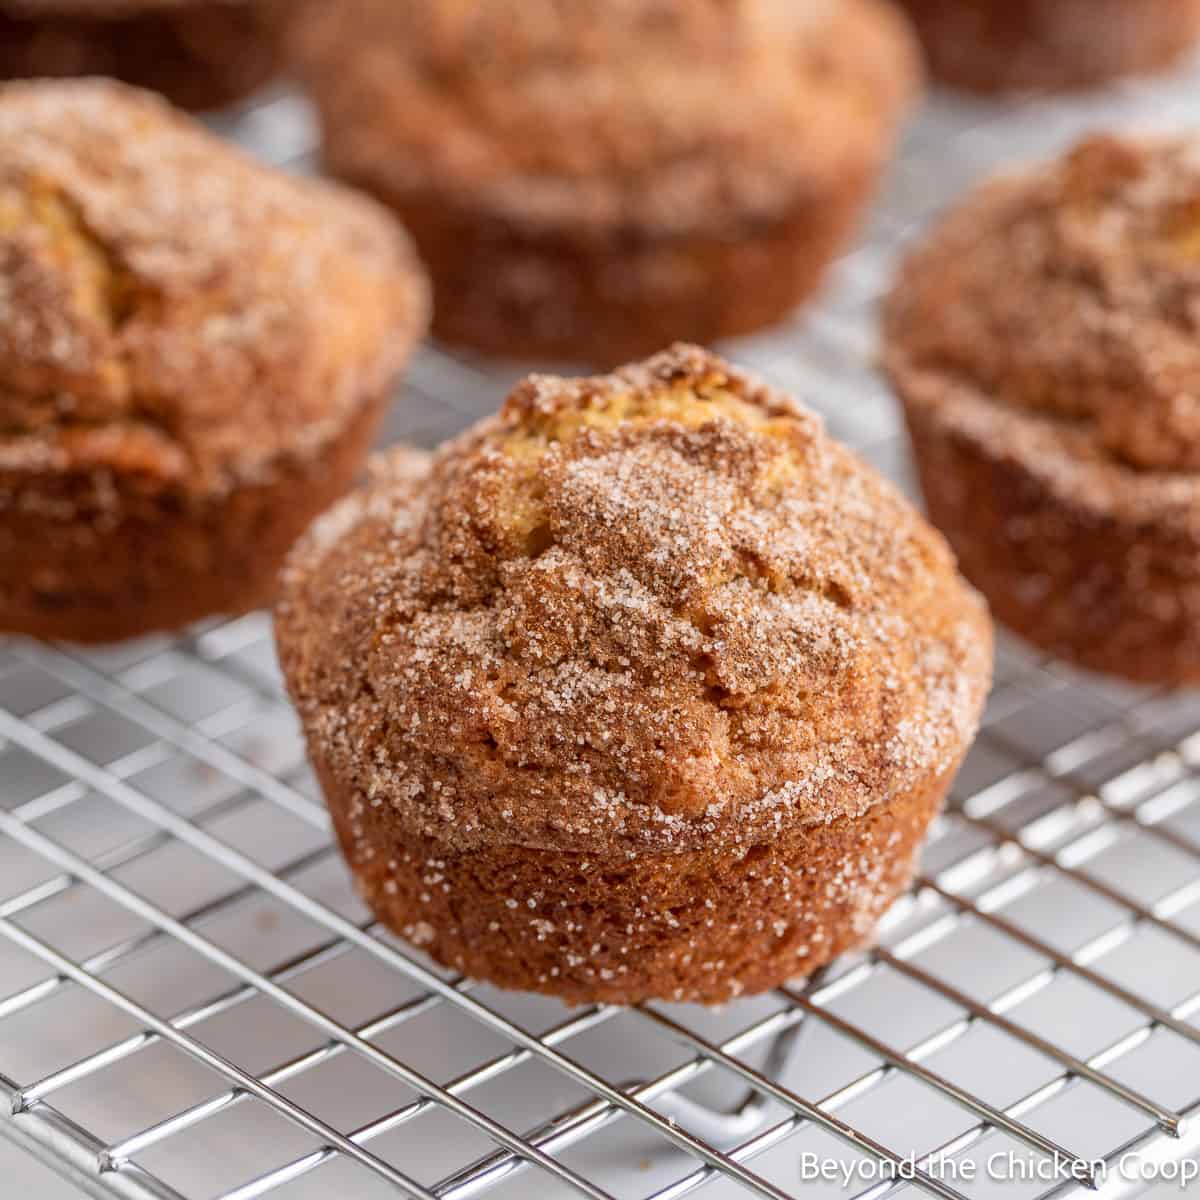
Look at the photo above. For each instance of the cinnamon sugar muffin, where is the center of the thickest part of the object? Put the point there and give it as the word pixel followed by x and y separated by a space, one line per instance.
pixel 1046 344
pixel 996 45
pixel 194 353
pixel 198 53
pixel 593 180
pixel 642 688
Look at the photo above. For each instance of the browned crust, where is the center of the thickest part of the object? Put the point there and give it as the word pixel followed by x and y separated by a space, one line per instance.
pixel 705 925
pixel 193 353
pixel 998 45
pixel 648 612
pixel 609 299
pixel 1098 587
pixel 641 688
pixel 1043 339
pixel 702 197
pixel 165 299
pixel 200 54
pixel 97 557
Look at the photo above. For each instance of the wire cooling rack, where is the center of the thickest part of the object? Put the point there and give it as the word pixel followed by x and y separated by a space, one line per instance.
pixel 193 1004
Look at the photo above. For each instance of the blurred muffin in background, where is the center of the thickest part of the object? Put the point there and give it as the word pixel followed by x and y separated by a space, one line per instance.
pixel 1000 45
pixel 592 179
pixel 1045 341
pixel 195 353
pixel 198 53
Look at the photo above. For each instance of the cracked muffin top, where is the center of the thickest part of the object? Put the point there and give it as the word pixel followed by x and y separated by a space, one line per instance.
pixel 643 611
pixel 648 112
pixel 1056 315
pixel 171 308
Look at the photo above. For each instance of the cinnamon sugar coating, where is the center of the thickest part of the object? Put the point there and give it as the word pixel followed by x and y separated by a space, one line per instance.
pixel 704 925
pixel 170 304
pixel 999 45
pixel 596 180
pixel 1044 340
pixel 198 53
pixel 176 323
pixel 655 613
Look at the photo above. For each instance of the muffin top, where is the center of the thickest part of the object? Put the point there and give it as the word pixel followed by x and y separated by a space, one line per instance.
pixel 171 308
pixel 643 611
pixel 596 112
pixel 1056 315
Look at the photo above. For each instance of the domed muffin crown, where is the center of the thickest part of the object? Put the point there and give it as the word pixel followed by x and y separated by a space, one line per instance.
pixel 639 111
pixel 1070 295
pixel 171 307
pixel 650 609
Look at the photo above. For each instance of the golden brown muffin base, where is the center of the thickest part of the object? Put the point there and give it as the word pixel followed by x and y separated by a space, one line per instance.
pixel 1106 591
pixel 172 559
pixel 701 926
pixel 999 45
pixel 199 55
pixel 607 297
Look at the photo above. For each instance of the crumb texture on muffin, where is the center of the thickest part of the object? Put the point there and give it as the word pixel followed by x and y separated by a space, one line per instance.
pixel 172 310
pixel 706 925
pixel 653 611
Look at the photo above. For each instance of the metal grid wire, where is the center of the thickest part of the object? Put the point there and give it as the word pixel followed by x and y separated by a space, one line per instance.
pixel 193 1004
